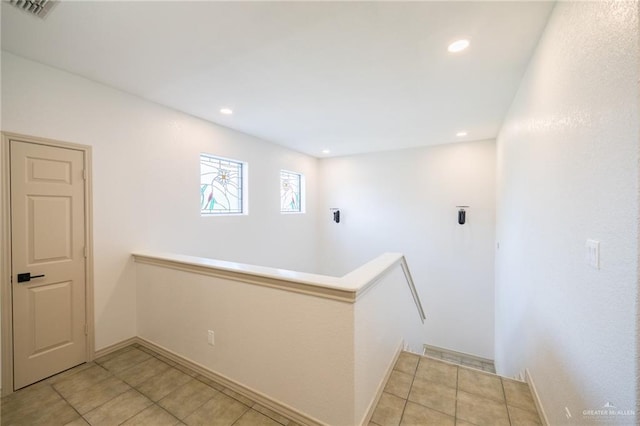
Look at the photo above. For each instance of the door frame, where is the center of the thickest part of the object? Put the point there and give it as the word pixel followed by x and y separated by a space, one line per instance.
pixel 5 246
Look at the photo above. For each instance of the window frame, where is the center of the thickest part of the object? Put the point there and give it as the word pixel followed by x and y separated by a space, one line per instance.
pixel 301 195
pixel 243 189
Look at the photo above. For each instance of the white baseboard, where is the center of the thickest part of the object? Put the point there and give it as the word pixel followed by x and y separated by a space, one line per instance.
pixel 536 397
pixel 280 408
pixel 381 385
pixel 115 347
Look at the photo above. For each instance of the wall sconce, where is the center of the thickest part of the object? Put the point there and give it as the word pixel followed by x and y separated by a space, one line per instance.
pixel 462 214
pixel 336 215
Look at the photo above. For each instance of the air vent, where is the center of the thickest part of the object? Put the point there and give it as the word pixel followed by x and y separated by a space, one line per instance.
pixel 40 8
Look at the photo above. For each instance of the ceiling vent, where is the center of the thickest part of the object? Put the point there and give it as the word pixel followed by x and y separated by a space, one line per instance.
pixel 40 8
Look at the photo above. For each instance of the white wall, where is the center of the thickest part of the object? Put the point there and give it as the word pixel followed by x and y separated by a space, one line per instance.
pixel 146 183
pixel 323 358
pixel 377 340
pixel 404 201
pixel 294 348
pixel 568 172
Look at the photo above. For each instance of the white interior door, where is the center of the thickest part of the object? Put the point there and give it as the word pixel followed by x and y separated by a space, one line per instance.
pixel 48 260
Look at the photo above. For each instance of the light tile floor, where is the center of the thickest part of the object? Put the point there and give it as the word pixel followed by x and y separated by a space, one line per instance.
pixel 133 386
pixel 427 391
pixel 460 359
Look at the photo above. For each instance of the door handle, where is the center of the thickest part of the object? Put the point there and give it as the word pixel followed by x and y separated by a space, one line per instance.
pixel 25 277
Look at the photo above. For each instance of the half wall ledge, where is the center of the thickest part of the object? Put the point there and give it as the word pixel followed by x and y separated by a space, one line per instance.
pixel 347 288
pixel 314 346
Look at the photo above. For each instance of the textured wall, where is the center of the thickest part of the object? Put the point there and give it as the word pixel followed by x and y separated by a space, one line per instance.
pixel 568 172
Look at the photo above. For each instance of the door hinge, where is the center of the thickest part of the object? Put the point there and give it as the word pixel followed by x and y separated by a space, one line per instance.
pixel 84 174
pixel 85 251
pixel 86 329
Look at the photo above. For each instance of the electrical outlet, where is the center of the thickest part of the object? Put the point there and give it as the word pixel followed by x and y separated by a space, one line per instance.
pixel 211 338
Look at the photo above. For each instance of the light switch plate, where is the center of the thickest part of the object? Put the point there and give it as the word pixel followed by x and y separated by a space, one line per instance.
pixel 593 253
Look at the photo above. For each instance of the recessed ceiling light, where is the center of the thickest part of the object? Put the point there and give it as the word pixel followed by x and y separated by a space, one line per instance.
pixel 461 134
pixel 458 46
pixel 227 111
pixel 326 151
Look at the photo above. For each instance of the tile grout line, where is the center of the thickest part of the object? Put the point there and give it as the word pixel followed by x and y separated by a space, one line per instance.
pixel 137 412
pixel 180 368
pixel 242 415
pixel 66 402
pixel 113 375
pixel 109 400
pixel 110 375
pixel 448 387
pixel 455 408
pixel 154 355
pixel 406 400
pixel 165 410
pixel 198 407
pixel 473 370
pixel 458 390
pixel 506 406
pixel 430 381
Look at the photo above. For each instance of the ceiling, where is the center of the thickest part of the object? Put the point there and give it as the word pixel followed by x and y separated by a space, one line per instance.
pixel 351 77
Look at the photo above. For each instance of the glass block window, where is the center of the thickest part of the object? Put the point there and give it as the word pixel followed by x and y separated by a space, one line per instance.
pixel 221 185
pixel 290 192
